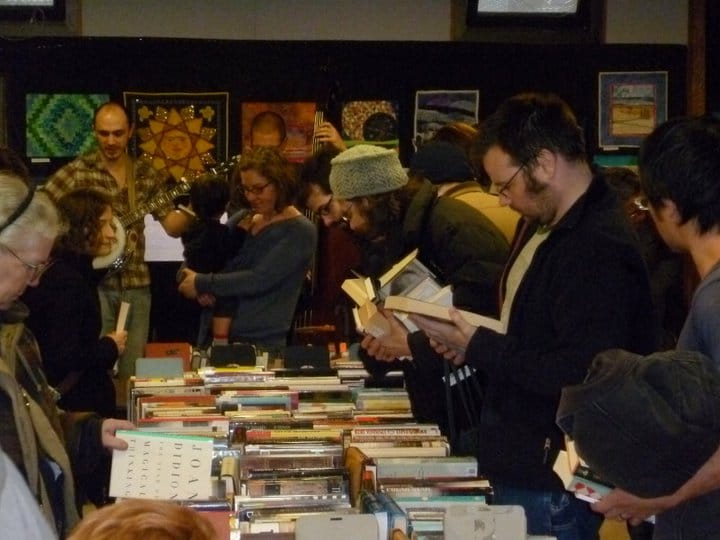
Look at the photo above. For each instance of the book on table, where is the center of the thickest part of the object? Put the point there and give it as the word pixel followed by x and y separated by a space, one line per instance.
pixel 387 513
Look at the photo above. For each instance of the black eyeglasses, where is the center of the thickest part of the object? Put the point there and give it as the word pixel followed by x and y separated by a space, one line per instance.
pixel 255 190
pixel 502 188
pixel 36 269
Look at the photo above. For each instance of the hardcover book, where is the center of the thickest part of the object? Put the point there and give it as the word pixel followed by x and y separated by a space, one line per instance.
pixel 159 466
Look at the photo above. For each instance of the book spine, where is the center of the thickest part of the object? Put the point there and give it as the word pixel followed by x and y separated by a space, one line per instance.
pixel 370 502
pixel 293 434
pixel 380 430
pixel 424 468
pixel 397 518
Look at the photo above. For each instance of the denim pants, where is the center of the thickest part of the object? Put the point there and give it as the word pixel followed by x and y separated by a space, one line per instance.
pixel 552 513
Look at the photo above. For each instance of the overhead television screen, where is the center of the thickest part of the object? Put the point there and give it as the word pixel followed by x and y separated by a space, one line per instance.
pixel 553 13
pixel 538 7
pixel 32 10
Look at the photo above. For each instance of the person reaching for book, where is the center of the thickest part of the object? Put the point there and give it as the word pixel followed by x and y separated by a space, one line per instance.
pixel 679 164
pixel 38 437
pixel 65 308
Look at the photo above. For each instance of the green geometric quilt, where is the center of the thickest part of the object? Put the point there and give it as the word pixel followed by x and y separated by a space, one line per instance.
pixel 60 125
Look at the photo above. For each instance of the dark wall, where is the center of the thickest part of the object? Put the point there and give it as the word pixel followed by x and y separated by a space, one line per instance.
pixel 325 72
pixel 712 33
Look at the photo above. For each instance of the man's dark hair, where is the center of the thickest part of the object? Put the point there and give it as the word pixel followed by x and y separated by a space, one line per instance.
pixel 525 124
pixel 316 170
pixel 680 161
pixel 385 212
pixel 623 180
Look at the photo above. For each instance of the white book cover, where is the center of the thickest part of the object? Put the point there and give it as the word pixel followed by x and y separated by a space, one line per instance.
pixel 160 466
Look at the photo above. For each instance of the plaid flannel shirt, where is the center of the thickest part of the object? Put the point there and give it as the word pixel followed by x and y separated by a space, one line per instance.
pixel 88 171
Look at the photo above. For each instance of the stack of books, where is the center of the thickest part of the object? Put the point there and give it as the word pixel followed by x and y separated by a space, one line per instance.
pixel 398 440
pixel 383 402
pixel 414 493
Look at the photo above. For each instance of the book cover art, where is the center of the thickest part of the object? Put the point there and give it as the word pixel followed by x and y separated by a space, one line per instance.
pixel 160 466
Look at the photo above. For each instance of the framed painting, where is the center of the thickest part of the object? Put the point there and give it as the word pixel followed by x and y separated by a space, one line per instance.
pixel 371 121
pixel 630 105
pixel 287 126
pixel 60 125
pixel 183 135
pixel 436 108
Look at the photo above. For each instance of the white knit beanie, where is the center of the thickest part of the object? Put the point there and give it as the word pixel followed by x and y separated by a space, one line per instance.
pixel 366 169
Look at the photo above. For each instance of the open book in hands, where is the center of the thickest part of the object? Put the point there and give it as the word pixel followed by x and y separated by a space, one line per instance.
pixel 408 277
pixel 439 308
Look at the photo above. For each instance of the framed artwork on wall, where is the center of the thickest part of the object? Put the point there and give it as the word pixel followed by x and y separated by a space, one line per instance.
pixel 630 105
pixel 370 121
pixel 436 108
pixel 287 126
pixel 182 134
pixel 60 125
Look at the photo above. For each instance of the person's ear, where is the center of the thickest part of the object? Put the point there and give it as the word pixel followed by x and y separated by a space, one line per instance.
pixel 671 211
pixel 546 164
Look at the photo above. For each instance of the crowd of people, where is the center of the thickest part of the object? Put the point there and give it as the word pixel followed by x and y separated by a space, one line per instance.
pixel 573 260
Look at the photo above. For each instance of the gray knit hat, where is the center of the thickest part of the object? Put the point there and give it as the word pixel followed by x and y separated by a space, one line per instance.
pixel 366 169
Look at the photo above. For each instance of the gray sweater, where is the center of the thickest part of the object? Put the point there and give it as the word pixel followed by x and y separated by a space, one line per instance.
pixel 265 278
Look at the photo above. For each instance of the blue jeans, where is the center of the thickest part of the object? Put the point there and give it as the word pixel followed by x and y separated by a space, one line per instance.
pixel 138 323
pixel 552 513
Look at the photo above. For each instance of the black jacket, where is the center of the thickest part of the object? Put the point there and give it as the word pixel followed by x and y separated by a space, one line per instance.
pixel 464 249
pixel 585 291
pixel 65 319
pixel 646 424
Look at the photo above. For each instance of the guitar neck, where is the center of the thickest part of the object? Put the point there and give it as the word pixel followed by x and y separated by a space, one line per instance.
pixel 159 201
pixel 166 198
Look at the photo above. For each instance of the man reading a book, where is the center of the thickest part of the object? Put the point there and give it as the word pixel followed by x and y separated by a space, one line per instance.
pixel 395 215
pixel 575 285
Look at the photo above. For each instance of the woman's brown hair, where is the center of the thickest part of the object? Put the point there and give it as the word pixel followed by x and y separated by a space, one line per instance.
pixel 81 209
pixel 277 170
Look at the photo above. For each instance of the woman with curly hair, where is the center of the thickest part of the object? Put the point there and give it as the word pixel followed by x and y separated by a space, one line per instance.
pixel 266 276
pixel 65 309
